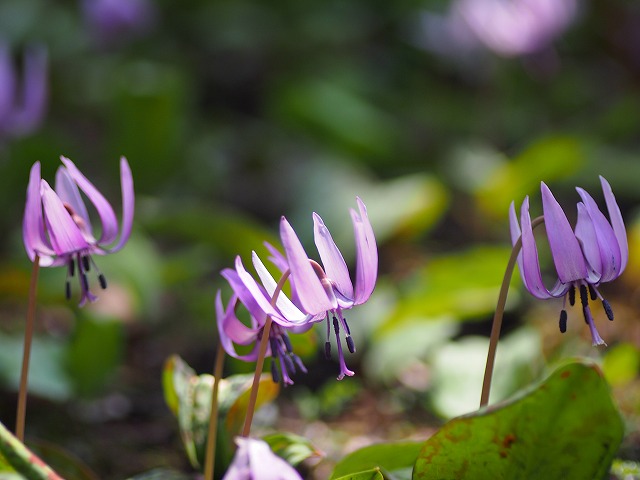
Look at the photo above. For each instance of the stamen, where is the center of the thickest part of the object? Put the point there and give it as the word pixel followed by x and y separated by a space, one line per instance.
pixel 72 267
pixel 563 321
pixel 85 263
pixel 592 292
pixel 301 366
pixel 350 344
pixel 275 375
pixel 607 309
pixel 327 350
pixel 572 295
pixel 68 290
pixel 291 368
pixel 103 281
pixel 287 343
pixel 584 296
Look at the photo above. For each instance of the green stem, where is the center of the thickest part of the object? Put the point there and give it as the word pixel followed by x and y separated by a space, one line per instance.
pixel 499 314
pixel 26 353
pixel 260 361
pixel 210 455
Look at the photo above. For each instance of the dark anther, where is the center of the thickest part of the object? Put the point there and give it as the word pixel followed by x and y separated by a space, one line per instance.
pixel 85 263
pixel 572 295
pixel 288 363
pixel 584 296
pixel 346 326
pixel 85 282
pixel 68 290
pixel 350 344
pixel 103 281
pixel 592 292
pixel 275 374
pixel 72 268
pixel 327 350
pixel 336 326
pixel 563 321
pixel 287 343
pixel 607 309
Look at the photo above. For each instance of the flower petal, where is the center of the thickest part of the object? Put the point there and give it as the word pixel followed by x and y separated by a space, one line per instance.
pixel 33 233
pixel 128 204
pixel 332 260
pixel 366 254
pixel 65 236
pixel 606 240
pixel 586 234
pixel 28 115
pixel 616 222
pixel 105 211
pixel 230 328
pixel 68 192
pixel 311 293
pixel 530 265
pixel 255 460
pixel 565 249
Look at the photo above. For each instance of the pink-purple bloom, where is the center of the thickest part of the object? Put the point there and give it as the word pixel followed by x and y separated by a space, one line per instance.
pixel 112 21
pixel 328 292
pixel 254 460
pixel 596 251
pixel 22 103
pixel 57 227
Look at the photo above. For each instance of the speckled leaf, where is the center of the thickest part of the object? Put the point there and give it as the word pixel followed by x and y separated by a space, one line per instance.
pixel 566 428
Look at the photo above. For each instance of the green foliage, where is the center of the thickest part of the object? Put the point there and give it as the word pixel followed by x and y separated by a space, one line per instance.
pixel 293 448
pixel 567 427
pixel 189 398
pixel 395 460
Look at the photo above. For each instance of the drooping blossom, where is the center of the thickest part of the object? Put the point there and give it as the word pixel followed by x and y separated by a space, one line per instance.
pixel 57 227
pixel 596 251
pixel 507 27
pixel 254 460
pixel 22 103
pixel 327 291
pixel 113 21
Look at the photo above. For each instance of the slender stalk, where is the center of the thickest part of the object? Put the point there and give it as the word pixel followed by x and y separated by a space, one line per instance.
pixel 499 314
pixel 210 454
pixel 260 361
pixel 26 353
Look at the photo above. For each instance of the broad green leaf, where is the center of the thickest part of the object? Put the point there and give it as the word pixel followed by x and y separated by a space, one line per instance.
pixel 293 448
pixel 566 428
pixel 374 474
pixel 189 397
pixel 22 460
pixel 388 457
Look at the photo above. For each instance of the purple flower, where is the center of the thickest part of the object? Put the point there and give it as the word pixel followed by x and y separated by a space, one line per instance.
pixel 594 253
pixel 57 227
pixel 254 460
pixel 22 106
pixel 112 21
pixel 327 292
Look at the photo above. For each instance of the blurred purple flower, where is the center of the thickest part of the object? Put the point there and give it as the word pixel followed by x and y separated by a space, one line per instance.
pixel 596 252
pixel 57 228
pixel 22 107
pixel 507 27
pixel 329 291
pixel 112 21
pixel 254 460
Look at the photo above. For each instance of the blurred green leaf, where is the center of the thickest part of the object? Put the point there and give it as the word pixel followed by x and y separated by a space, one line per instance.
pixel 293 448
pixel 625 470
pixel 373 474
pixel 566 427
pixel 161 474
pixel 394 458
pixel 621 363
pixel 28 465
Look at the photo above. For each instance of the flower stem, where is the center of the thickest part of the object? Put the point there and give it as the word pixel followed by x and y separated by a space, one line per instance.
pixel 499 314
pixel 260 360
pixel 26 353
pixel 210 455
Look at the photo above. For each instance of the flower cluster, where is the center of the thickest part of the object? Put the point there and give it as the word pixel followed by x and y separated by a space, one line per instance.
pixel 596 251
pixel 318 292
pixel 57 228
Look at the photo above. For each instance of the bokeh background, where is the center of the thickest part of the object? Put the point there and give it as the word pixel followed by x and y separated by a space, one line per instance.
pixel 234 112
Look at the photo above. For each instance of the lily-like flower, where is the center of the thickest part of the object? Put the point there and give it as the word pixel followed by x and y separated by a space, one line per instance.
pixel 57 228
pixel 115 21
pixel 22 106
pixel 254 460
pixel 327 292
pixel 596 252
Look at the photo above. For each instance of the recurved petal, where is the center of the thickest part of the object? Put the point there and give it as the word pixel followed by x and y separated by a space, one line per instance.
pixel 128 204
pixel 230 328
pixel 332 260
pixel 565 249
pixel 68 192
pixel 33 233
pixel 65 236
pixel 530 265
pixel 313 298
pixel 605 239
pixel 366 254
pixel 103 207
pixel 514 229
pixel 616 222
pixel 586 233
